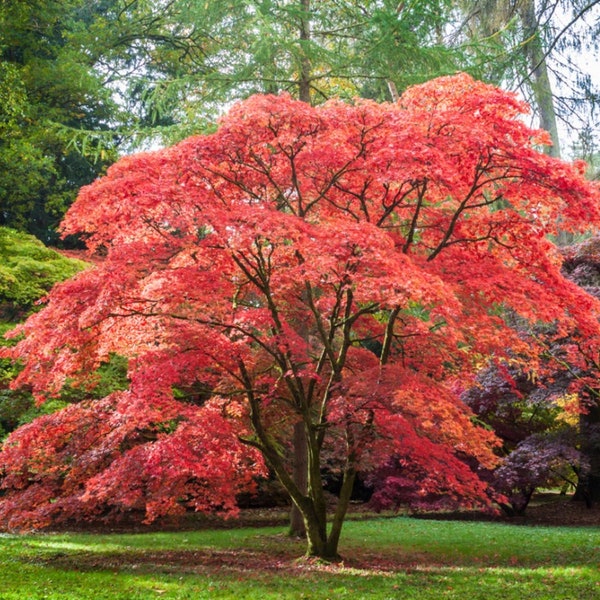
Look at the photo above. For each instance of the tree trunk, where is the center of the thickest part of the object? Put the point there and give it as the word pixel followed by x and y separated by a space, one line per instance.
pixel 340 513
pixel 538 76
pixel 588 488
pixel 305 64
pixel 541 87
pixel 297 524
pixel 309 500
pixel 320 543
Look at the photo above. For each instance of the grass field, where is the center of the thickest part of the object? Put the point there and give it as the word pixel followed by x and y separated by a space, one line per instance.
pixel 384 558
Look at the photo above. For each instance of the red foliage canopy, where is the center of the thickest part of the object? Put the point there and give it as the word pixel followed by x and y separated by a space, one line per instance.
pixel 344 265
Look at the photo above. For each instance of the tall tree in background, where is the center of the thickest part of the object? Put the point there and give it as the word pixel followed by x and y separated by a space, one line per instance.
pixel 70 81
pixel 96 76
pixel 539 48
pixel 313 50
pixel 55 89
pixel 535 51
pixel 83 79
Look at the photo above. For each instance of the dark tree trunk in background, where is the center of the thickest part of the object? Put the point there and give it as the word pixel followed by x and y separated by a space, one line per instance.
pixel 588 489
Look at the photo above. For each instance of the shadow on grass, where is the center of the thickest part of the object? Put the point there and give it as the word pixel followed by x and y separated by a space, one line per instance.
pixel 280 554
pixel 254 574
pixel 405 559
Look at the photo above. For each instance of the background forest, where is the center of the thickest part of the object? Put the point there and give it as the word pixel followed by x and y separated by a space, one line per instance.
pixel 85 82
pixel 82 82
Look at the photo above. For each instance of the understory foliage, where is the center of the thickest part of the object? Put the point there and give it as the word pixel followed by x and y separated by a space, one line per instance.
pixel 548 419
pixel 346 267
pixel 535 414
pixel 582 265
pixel 28 270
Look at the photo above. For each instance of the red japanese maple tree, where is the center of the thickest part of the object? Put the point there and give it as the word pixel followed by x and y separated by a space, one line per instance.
pixel 344 267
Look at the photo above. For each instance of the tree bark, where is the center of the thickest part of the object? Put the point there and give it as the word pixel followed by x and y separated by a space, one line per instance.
pixel 539 76
pixel 541 86
pixel 305 64
pixel 297 524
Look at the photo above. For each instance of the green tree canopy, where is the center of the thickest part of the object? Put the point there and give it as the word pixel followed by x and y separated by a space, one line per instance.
pixel 50 89
pixel 80 81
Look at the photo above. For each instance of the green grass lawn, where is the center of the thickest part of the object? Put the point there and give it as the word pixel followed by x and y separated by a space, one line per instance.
pixel 384 558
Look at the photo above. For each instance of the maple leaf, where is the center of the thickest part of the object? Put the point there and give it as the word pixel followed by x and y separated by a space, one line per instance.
pixel 340 267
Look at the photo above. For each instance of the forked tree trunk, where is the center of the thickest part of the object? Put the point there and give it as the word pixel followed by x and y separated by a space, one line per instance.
pixel 322 541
